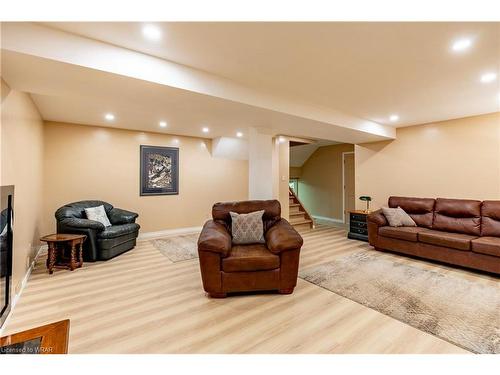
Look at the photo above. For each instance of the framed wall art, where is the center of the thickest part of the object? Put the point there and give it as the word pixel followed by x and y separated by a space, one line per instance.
pixel 159 170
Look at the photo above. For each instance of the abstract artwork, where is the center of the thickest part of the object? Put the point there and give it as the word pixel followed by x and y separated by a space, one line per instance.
pixel 159 170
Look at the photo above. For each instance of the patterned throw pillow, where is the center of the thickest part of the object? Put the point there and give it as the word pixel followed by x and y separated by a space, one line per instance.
pixel 397 217
pixel 98 214
pixel 247 228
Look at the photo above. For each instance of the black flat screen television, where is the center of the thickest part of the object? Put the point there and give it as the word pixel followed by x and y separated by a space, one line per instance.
pixel 6 248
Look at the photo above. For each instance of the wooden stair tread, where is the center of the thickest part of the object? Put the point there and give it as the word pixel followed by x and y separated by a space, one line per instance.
pixel 298 215
pixel 298 222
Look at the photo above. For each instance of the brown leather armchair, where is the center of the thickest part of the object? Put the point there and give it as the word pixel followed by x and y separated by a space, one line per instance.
pixel 227 268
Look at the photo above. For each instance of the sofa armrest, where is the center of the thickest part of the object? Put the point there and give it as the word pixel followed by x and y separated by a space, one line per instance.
pixel 378 218
pixel 83 223
pixel 283 237
pixel 375 220
pixel 119 216
pixel 215 238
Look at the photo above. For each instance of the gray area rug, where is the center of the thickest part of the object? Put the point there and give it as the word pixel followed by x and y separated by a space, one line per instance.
pixel 462 312
pixel 178 248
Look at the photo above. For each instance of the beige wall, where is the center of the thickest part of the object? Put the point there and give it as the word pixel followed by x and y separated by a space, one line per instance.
pixel 320 184
pixel 295 172
pixel 455 159
pixel 87 162
pixel 4 90
pixel 21 161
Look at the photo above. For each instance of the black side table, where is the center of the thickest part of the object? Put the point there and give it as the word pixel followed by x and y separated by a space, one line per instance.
pixel 358 229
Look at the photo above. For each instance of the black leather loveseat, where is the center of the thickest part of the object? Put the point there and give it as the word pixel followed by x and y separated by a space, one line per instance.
pixel 102 243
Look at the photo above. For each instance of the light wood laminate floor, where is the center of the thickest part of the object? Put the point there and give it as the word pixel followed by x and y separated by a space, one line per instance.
pixel 140 302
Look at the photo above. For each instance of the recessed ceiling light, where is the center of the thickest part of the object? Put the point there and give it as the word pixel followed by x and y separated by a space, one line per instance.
pixel 461 44
pixel 239 134
pixel 488 77
pixel 205 130
pixel 393 118
pixel 109 116
pixel 151 32
pixel 163 124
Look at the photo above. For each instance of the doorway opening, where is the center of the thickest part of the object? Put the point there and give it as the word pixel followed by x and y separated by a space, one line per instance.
pixel 322 176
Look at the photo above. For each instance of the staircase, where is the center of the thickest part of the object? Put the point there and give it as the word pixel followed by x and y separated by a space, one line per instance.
pixel 299 217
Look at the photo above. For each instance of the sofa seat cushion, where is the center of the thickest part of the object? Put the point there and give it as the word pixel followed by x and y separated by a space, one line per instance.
pixel 255 257
pixel 118 231
pixel 401 233
pixel 452 240
pixel 486 245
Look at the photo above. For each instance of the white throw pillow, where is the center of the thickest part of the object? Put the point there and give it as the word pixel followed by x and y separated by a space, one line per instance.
pixel 397 217
pixel 98 214
pixel 247 228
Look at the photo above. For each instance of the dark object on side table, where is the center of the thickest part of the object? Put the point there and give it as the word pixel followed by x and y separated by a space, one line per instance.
pixel 461 232
pixel 227 268
pixel 102 243
pixel 357 225
pixel 367 199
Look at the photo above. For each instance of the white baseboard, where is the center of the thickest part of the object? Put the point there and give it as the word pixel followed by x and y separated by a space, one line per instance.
pixel 327 220
pixel 168 233
pixel 16 296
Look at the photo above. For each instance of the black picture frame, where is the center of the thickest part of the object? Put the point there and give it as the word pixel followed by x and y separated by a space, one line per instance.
pixel 147 154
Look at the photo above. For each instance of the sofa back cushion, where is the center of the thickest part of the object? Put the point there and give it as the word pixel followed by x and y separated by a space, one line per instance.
pixel 272 211
pixel 77 209
pixel 458 215
pixel 490 218
pixel 419 209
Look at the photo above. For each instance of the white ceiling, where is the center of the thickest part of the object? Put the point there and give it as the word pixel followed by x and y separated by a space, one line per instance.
pixel 77 79
pixel 369 70
pixel 74 94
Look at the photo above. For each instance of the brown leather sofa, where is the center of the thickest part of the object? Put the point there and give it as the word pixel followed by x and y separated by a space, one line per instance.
pixel 455 231
pixel 227 268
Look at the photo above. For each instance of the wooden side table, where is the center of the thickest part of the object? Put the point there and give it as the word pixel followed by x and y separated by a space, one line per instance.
pixel 358 229
pixel 57 243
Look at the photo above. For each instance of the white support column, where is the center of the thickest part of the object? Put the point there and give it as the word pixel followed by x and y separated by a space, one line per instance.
pixel 260 165
pixel 283 175
pixel 268 167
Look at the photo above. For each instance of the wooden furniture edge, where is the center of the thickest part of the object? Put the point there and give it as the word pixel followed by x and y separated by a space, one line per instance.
pixel 55 337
